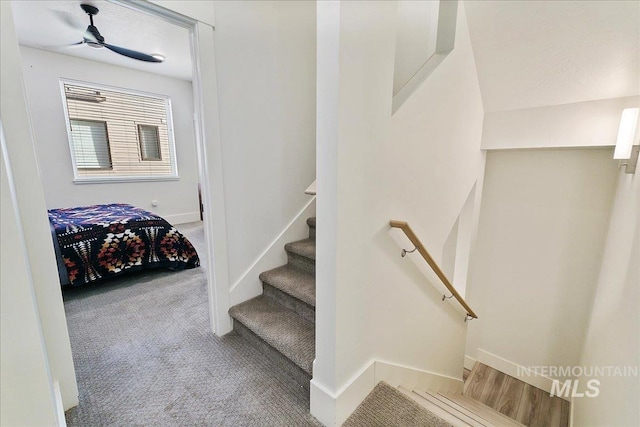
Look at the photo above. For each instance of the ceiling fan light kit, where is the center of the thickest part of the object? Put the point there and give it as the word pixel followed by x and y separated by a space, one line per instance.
pixel 94 39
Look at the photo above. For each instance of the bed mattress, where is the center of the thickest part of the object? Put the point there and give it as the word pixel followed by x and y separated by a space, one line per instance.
pixel 102 241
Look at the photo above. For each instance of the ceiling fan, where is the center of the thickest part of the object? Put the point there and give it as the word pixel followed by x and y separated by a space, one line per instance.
pixel 94 39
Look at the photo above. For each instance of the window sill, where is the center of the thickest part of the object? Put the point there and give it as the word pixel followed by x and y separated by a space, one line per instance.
pixel 124 179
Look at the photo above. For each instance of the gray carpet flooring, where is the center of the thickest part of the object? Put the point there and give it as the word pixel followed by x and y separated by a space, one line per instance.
pixel 145 356
pixel 385 406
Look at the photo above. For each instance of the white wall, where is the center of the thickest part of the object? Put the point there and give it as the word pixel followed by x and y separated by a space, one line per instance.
pixel 30 200
pixel 26 396
pixel 417 24
pixel 419 166
pixel 178 200
pixel 542 228
pixel 612 337
pixel 265 65
pixel 580 124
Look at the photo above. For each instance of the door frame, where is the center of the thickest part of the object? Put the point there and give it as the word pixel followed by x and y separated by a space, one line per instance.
pixel 208 145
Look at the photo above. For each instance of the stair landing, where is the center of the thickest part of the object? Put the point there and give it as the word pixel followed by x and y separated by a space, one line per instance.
pixel 492 398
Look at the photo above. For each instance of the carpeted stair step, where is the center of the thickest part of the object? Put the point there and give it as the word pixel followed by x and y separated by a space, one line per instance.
pixel 293 288
pixel 283 330
pixel 311 222
pixel 302 254
pixel 386 406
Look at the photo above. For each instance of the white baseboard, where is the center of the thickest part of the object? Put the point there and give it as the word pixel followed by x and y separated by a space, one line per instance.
pixel 517 371
pixel 182 218
pixel 248 285
pixel 412 378
pixel 469 362
pixel 62 422
pixel 332 409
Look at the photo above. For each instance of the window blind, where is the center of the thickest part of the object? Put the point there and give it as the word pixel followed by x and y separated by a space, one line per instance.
pixel 90 144
pixel 149 142
pixel 119 134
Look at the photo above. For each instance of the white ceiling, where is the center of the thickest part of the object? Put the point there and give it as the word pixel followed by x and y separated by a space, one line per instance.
pixel 537 53
pixel 49 25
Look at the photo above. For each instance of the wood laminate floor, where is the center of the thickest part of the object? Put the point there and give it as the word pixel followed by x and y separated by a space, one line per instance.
pixel 522 402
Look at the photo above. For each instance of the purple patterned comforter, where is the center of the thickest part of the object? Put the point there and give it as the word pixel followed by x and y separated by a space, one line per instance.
pixel 103 241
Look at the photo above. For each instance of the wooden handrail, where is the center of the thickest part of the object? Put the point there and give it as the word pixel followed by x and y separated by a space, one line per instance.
pixel 402 225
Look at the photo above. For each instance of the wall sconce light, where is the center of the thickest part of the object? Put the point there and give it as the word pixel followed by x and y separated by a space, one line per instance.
pixel 625 150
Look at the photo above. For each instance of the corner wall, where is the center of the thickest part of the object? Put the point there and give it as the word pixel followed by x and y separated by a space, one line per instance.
pixel 34 224
pixel 418 165
pixel 178 200
pixel 265 66
pixel 543 224
pixel 612 334
pixel 26 396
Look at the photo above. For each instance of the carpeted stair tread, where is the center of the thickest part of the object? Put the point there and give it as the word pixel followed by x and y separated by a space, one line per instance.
pixel 305 248
pixel 386 406
pixel 282 329
pixel 293 281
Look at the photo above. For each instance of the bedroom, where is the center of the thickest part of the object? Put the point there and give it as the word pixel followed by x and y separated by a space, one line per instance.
pixel 47 62
pixel 175 199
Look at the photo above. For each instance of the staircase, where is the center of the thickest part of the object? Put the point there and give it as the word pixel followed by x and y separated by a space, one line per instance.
pixel 281 321
pixel 459 410
pixel 490 399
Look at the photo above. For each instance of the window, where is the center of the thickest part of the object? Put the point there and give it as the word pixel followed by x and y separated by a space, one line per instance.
pixel 118 134
pixel 149 142
pixel 90 144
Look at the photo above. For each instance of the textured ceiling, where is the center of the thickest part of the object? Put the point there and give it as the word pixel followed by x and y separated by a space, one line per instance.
pixel 49 25
pixel 536 53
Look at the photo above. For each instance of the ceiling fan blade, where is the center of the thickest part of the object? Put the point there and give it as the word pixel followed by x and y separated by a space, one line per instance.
pixel 132 53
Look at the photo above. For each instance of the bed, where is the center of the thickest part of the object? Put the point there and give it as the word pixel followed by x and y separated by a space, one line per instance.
pixel 101 241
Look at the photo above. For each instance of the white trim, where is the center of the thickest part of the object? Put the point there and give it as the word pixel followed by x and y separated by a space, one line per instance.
pixel 182 218
pixel 512 369
pixel 414 378
pixel 572 407
pixel 97 179
pixel 248 285
pixel 323 404
pixel 205 95
pixel 101 86
pixel 62 422
pixel 209 149
pixel 332 409
pixel 120 179
pixel 469 362
pixel 445 40
pixel 6 162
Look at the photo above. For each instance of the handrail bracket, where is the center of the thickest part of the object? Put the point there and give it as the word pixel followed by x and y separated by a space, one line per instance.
pixel 404 252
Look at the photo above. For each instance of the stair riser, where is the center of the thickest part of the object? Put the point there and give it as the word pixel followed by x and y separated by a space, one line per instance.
pixel 312 233
pixel 301 262
pixel 301 377
pixel 290 302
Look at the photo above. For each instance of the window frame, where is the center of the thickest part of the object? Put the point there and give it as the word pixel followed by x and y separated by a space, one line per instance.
pixel 157 132
pixel 98 179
